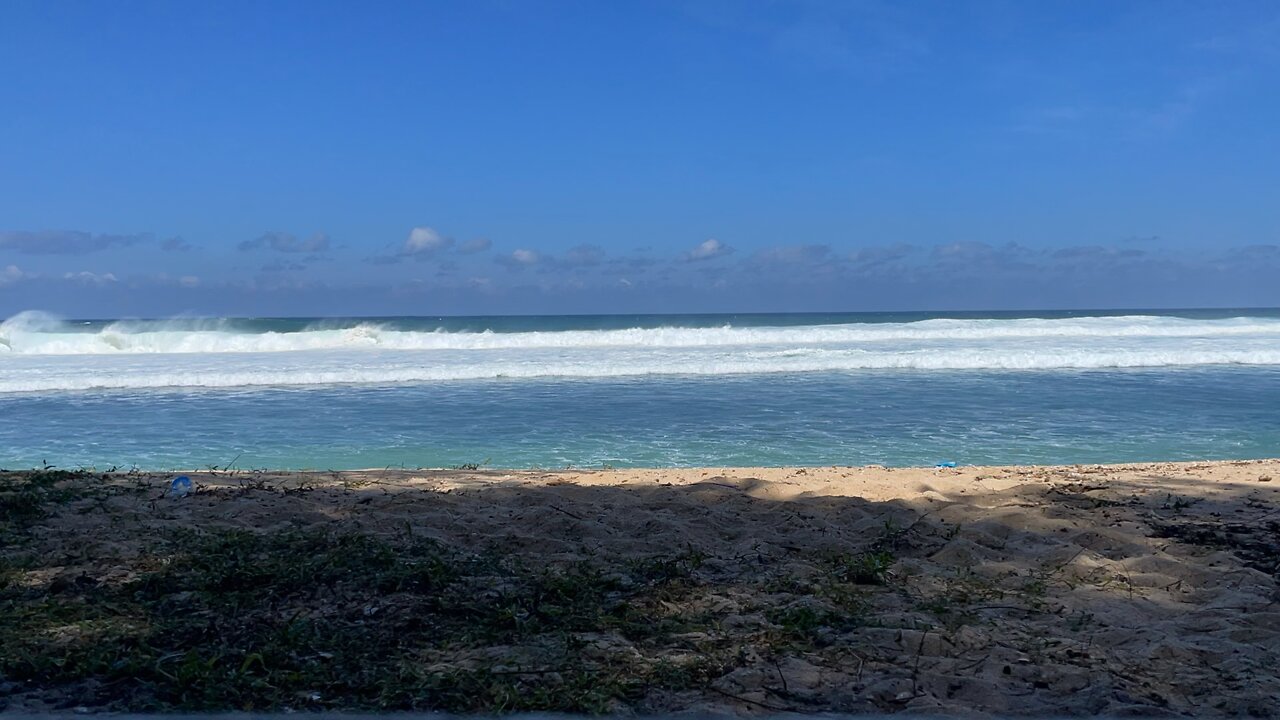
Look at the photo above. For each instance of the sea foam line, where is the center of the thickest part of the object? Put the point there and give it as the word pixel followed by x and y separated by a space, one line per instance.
pixel 22 335
pixel 71 379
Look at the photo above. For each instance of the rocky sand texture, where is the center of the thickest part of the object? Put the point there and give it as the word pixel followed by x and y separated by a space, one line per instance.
pixel 1140 589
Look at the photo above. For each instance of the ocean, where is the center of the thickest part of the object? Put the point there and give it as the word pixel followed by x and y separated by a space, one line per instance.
pixel 640 390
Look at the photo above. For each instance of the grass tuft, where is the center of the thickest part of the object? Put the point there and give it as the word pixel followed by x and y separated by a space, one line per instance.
pixel 309 620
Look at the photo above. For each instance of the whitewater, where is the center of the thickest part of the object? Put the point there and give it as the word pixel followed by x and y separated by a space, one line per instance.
pixel 656 390
pixel 42 353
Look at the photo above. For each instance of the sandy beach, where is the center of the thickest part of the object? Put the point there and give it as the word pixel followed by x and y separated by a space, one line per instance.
pixel 1136 589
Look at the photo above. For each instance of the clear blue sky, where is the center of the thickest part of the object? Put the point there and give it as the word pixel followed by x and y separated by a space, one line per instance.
pixel 472 157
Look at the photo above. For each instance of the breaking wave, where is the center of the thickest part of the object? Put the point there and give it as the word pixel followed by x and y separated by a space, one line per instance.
pixel 40 353
pixel 39 334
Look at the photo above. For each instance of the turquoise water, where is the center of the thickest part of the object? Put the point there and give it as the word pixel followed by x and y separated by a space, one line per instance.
pixel 905 389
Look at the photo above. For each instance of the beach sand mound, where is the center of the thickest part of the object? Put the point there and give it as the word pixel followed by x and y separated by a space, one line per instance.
pixel 1144 589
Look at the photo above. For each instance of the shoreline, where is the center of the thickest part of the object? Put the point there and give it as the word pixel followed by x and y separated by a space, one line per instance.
pixel 1047 590
pixel 739 469
pixel 486 470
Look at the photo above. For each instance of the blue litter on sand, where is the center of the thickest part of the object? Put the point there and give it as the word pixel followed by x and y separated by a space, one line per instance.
pixel 180 487
pixel 947 464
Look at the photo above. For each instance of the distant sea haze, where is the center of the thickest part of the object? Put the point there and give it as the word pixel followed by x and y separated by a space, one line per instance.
pixel 676 390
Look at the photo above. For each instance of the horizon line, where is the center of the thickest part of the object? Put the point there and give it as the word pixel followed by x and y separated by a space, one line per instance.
pixel 983 311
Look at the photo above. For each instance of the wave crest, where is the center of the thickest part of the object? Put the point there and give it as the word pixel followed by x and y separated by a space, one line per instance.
pixel 39 353
pixel 41 334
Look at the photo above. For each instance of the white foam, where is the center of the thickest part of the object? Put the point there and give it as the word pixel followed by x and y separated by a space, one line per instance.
pixel 47 355
pixel 39 334
pixel 243 374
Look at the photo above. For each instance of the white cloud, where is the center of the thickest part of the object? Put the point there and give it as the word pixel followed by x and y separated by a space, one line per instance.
pixel 518 258
pixel 88 278
pixel 424 241
pixel 11 274
pixel 707 250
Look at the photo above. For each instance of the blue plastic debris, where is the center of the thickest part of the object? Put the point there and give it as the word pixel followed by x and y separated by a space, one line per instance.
pixel 180 487
pixel 946 464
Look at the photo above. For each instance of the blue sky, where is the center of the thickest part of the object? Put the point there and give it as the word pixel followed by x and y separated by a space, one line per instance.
pixel 310 158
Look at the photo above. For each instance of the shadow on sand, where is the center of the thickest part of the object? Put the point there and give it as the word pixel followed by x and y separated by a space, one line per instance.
pixel 1052 592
